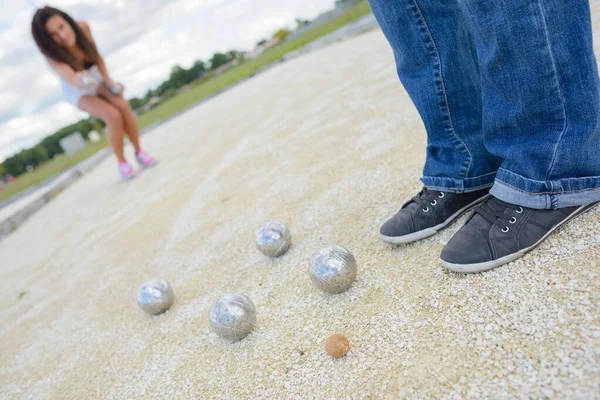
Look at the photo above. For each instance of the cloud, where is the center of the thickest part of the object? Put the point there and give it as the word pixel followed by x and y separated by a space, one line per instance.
pixel 140 40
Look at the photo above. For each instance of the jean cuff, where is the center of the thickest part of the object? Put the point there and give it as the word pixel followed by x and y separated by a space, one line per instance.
pixel 569 192
pixel 464 185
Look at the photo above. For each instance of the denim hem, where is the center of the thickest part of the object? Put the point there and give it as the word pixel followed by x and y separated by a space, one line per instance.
pixel 560 193
pixel 459 185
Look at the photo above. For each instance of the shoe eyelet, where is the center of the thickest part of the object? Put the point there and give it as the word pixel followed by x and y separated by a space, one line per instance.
pixel 513 220
pixel 519 210
pixel 505 229
pixel 426 209
pixel 433 203
pixel 442 195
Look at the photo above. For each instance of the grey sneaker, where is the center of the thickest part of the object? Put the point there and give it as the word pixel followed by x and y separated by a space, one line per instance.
pixel 499 232
pixel 427 213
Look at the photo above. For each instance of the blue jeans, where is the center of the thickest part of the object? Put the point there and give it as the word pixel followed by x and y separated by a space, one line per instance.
pixel 509 94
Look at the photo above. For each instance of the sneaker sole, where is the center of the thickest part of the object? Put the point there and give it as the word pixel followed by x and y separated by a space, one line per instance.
pixel 488 265
pixel 425 233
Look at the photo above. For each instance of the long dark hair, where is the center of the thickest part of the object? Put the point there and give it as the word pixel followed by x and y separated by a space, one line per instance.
pixel 50 48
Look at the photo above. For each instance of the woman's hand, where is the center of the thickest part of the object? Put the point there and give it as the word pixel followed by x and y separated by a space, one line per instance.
pixel 109 83
pixel 115 88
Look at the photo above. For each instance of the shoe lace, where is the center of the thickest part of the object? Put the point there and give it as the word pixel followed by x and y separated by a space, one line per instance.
pixel 493 210
pixel 426 199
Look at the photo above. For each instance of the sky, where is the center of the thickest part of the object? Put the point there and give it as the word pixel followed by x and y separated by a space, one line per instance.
pixel 140 40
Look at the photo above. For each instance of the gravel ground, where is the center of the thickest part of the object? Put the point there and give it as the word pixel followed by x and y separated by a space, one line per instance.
pixel 331 144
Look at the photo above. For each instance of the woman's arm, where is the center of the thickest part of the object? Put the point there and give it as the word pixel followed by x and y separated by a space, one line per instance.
pixel 100 63
pixel 69 74
pixel 104 72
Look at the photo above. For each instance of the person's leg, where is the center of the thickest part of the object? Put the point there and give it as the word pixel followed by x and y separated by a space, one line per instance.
pixel 437 64
pixel 541 104
pixel 101 109
pixel 541 110
pixel 129 122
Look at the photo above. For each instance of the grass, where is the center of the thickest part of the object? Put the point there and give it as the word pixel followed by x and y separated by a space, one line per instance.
pixel 200 89
pixel 51 168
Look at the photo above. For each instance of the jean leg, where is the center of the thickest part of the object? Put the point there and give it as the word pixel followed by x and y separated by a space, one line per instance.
pixel 436 60
pixel 541 99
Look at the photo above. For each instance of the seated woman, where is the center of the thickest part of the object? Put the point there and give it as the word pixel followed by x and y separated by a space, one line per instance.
pixel 71 51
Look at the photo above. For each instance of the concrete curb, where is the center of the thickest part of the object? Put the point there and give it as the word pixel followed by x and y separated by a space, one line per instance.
pixel 53 189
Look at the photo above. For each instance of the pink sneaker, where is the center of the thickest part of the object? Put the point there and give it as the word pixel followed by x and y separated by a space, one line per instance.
pixel 144 159
pixel 126 171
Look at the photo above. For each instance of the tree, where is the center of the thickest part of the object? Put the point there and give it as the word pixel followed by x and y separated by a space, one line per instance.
pixel 149 94
pixel 169 93
pixel 52 146
pixel 83 126
pixel 281 34
pixel 234 54
pixel 2 170
pixel 42 153
pixel 178 77
pixel 136 103
pixel 197 70
pixel 98 125
pixel 219 59
pixel 301 22
pixel 14 165
pixel 31 157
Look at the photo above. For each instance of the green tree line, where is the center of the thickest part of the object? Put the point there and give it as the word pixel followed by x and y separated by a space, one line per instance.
pixel 180 77
pixel 48 148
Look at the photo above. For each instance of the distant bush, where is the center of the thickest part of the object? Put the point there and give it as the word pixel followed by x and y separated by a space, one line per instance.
pixel 169 94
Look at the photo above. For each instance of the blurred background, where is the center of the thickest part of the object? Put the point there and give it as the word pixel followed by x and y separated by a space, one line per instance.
pixel 168 53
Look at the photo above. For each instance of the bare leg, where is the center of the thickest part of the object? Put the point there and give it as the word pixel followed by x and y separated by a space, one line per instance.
pixel 111 116
pixel 129 122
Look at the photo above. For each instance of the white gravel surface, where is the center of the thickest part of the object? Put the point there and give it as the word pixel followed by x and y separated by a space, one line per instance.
pixel 331 145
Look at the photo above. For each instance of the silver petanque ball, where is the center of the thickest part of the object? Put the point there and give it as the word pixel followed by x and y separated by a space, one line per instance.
pixel 273 239
pixel 155 296
pixel 332 269
pixel 117 89
pixel 232 316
